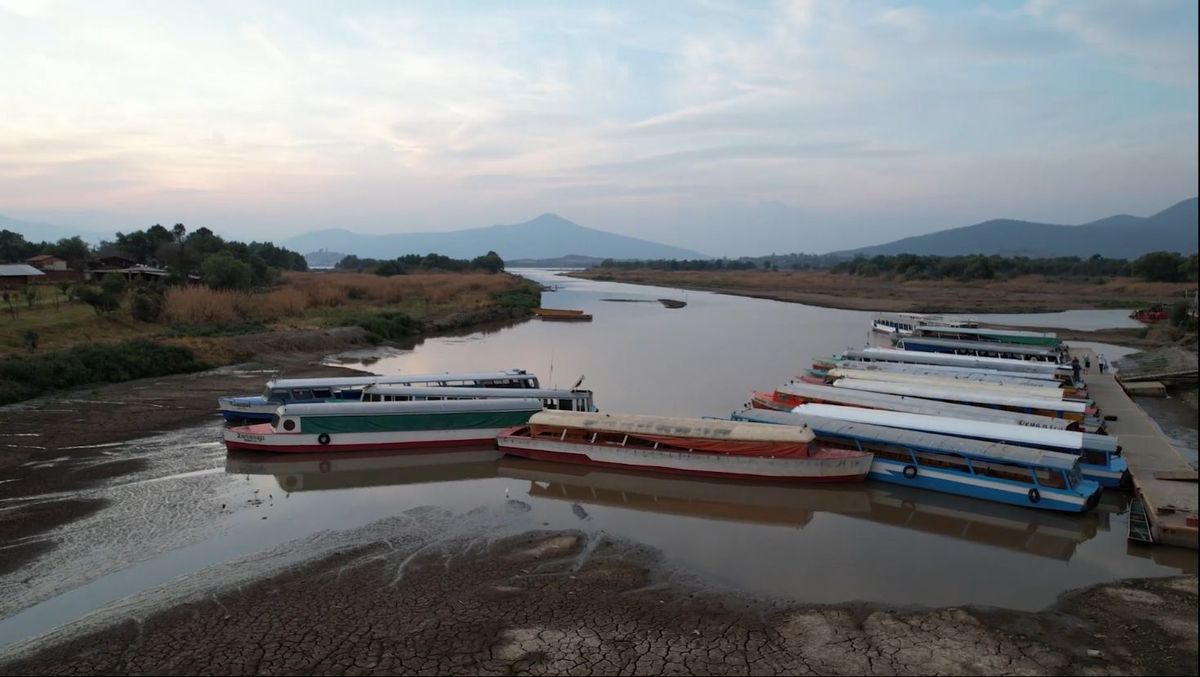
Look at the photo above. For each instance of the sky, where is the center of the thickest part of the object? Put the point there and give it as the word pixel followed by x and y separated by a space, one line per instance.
pixel 733 128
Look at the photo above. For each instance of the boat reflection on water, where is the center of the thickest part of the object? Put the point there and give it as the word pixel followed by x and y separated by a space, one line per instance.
pixel 1034 532
pixel 353 470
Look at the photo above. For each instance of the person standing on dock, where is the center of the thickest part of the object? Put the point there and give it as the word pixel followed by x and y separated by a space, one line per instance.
pixel 1087 362
pixel 1102 363
pixel 1075 368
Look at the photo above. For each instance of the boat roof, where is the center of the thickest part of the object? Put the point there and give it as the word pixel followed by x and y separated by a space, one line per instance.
pixel 919 357
pixel 1047 389
pixel 988 331
pixel 949 370
pixel 997 347
pixel 351 408
pixel 467 392
pixel 966 393
pixel 671 426
pixel 914 439
pixel 369 379
pixel 917 405
pixel 945 425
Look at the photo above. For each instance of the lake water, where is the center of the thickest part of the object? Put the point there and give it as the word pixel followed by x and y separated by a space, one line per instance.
pixel 196 519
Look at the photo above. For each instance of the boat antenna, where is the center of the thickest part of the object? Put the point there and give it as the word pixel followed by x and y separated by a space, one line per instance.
pixel 551 378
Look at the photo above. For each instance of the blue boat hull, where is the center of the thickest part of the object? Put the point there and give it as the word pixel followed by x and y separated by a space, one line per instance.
pixel 988 489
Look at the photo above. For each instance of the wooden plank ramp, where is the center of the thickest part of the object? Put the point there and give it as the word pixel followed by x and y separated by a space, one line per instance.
pixel 1170 505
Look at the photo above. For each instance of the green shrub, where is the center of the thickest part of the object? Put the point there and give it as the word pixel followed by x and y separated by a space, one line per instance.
pixel 101 301
pixel 525 298
pixel 146 306
pixel 210 330
pixel 393 325
pixel 29 376
pixel 222 271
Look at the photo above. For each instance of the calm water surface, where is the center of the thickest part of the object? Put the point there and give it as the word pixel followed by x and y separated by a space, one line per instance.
pixel 196 519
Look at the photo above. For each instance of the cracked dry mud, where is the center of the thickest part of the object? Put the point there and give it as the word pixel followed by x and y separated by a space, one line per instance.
pixel 553 603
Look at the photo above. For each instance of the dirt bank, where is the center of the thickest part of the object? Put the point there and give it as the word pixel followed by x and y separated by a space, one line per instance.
pixel 1028 294
pixel 553 603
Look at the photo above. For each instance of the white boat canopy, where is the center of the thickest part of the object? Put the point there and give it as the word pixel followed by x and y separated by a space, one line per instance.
pixel 943 425
pixel 964 394
pixel 360 381
pixel 1021 377
pixel 672 426
pixel 917 405
pixel 1048 391
pixel 920 357
pixel 824 425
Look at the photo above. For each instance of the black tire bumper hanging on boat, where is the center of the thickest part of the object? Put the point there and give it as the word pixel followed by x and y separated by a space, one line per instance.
pixel 323 438
pixel 910 471
pixel 1034 495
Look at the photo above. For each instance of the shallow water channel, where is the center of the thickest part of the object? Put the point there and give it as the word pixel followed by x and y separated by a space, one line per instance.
pixel 196 519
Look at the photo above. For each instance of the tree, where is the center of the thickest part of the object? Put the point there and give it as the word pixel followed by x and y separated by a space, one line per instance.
pixel 222 271
pixel 73 250
pixel 30 294
pixel 146 306
pixel 491 262
pixel 1161 267
pixel 113 283
pixel 390 268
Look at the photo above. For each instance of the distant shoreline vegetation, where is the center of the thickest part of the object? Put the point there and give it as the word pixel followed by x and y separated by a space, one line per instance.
pixel 488 263
pixel 1154 267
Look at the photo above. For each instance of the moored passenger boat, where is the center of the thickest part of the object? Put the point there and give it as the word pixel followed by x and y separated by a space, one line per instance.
pixel 995 472
pixel 704 447
pixel 349 389
pixel 1099 455
pixel 1061 372
pixel 1008 351
pixel 990 334
pixel 356 426
pixel 791 395
pixel 1041 406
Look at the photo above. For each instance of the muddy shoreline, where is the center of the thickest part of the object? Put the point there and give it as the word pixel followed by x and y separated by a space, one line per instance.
pixel 850 292
pixel 555 603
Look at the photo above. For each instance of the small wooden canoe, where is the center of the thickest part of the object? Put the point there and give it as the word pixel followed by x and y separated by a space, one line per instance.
pixel 562 314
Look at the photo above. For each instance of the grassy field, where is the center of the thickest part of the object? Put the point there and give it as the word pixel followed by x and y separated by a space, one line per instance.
pixel 1032 293
pixel 301 301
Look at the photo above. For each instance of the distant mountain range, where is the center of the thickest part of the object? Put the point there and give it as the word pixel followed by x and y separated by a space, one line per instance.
pixel 547 236
pixel 1121 236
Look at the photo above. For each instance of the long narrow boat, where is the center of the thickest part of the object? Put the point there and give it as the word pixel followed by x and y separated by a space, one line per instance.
pixel 905 324
pixel 990 335
pixel 689 446
pixel 358 426
pixel 791 395
pixel 980 348
pixel 919 357
pixel 1048 389
pixel 349 388
pixel 562 314
pixel 1042 406
pixel 938 370
pixel 1099 459
pixel 822 368
pixel 995 472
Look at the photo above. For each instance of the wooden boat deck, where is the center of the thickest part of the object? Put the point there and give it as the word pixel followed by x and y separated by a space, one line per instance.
pixel 1170 504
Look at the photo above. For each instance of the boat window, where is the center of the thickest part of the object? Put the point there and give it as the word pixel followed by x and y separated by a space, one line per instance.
pixel 302 394
pixel 566 404
pixel 278 396
pixel 323 393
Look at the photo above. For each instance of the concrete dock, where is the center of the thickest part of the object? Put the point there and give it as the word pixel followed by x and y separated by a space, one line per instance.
pixel 1162 479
